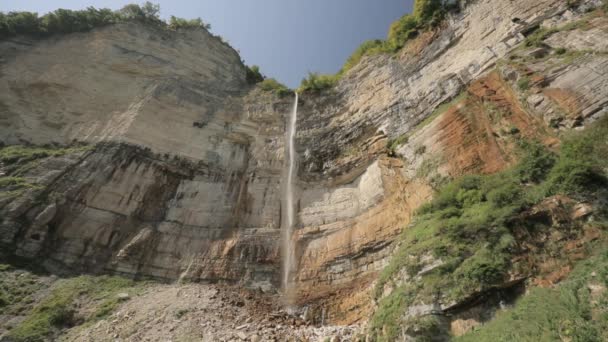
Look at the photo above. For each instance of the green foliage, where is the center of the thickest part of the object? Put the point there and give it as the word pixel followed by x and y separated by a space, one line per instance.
pixel 148 13
pixel 484 267
pixel 535 162
pixel 579 168
pixel 64 21
pixel 401 31
pixel 58 309
pixel 538 37
pixel 272 85
pixel 388 315
pixel 176 23
pixel 523 83
pixel 16 290
pixel 468 225
pixel 369 47
pixel 253 74
pixel 18 22
pixel 392 144
pixel 428 11
pixel 317 83
pixel 555 314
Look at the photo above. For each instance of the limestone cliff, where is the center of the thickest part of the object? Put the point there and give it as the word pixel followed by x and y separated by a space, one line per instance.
pixel 181 174
pixel 184 179
pixel 396 99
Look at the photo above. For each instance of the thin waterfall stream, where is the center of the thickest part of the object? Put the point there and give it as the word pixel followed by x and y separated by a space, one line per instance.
pixel 288 243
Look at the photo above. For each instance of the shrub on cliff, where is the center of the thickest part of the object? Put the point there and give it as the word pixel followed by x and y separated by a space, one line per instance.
pixel 471 224
pixel 317 82
pixel 13 23
pixel 429 12
pixel 367 48
pixel 253 74
pixel 401 31
pixel 147 13
pixel 272 85
pixel 176 23
pixel 68 21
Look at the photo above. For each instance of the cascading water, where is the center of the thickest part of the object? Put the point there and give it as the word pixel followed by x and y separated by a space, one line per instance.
pixel 288 248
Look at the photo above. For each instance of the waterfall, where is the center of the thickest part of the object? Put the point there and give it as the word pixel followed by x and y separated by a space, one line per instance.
pixel 288 245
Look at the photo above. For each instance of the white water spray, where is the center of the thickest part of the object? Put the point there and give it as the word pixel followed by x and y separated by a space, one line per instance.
pixel 288 248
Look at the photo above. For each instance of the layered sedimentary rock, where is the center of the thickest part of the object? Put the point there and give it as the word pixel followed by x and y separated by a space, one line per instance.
pixel 389 97
pixel 185 181
pixel 183 175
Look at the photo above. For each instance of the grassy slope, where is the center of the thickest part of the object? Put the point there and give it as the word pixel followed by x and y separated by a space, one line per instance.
pixel 69 302
pixel 576 310
pixel 469 224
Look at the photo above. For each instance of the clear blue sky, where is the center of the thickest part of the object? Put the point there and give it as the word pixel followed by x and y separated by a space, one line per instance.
pixel 286 38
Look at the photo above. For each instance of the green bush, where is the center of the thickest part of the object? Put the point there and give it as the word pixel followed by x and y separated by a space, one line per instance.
pixel 253 74
pixel 538 37
pixel 148 13
pixel 317 83
pixel 429 12
pixel 176 23
pixel 272 85
pixel 573 177
pixel 523 83
pixel 504 195
pixel 401 31
pixel 535 162
pixel 13 23
pixel 484 267
pixel 367 48
pixel 64 21
pixel 579 168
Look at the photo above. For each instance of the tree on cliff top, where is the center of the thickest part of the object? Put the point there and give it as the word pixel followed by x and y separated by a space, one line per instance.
pixel 67 21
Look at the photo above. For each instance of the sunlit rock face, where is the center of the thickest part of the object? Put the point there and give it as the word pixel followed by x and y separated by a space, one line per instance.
pixel 184 179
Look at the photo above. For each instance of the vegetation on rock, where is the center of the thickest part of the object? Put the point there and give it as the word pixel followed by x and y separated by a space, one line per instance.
pixel 64 21
pixel 272 85
pixel 176 23
pixel 59 309
pixel 573 311
pixel 469 227
pixel 17 160
pixel 254 75
pixel 316 82
pixel 426 15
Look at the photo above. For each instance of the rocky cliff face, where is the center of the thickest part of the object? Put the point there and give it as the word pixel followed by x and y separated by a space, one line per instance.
pixel 346 231
pixel 182 176
pixel 185 178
